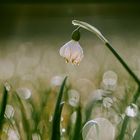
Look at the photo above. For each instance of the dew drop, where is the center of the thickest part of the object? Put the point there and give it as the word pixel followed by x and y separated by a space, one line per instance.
pixel 73 97
pixel 24 93
pixel 13 135
pixel 36 136
pixel 57 80
pixel 73 117
pixel 132 110
pixel 98 129
pixel 9 111
pixel 109 80
pixel 7 86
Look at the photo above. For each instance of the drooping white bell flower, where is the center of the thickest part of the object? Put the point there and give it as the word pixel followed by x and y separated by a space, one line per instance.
pixel 72 52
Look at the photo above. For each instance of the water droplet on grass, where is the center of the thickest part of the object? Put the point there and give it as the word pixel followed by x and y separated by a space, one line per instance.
pixel 9 112
pixel 7 86
pixel 131 110
pixel 57 80
pixel 13 135
pixel 73 97
pixel 98 129
pixel 24 93
pixel 109 81
pixel 89 128
pixel 36 136
pixel 73 117
pixel 63 131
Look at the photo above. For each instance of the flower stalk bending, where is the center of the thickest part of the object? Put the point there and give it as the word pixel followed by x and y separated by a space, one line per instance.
pixel 106 42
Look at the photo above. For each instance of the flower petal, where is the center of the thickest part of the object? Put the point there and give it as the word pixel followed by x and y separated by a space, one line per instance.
pixel 72 52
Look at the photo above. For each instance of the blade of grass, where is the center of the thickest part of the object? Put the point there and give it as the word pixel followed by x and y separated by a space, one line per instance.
pixel 56 135
pixel 126 119
pixel 3 107
pixel 57 114
pixel 124 126
pixel 137 134
pixel 24 119
pixel 77 129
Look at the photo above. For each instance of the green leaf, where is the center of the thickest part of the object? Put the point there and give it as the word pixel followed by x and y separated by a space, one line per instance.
pixel 124 126
pixel 137 134
pixel 77 128
pixel 3 106
pixel 25 122
pixel 57 114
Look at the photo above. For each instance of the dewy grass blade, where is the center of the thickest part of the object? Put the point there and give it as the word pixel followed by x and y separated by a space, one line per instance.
pixel 57 133
pixel 57 114
pixel 25 122
pixel 77 129
pixel 124 126
pixel 3 107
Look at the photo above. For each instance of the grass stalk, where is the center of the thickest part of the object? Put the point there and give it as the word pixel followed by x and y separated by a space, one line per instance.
pixel 57 114
pixel 2 108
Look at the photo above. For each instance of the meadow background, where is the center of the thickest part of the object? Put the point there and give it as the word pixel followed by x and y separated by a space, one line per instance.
pixel 30 39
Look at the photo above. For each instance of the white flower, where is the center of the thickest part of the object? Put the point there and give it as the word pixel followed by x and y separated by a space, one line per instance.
pixel 72 52
pixel 131 110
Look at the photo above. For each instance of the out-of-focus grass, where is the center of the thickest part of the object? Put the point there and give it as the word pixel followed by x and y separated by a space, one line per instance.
pixel 33 116
pixel 32 63
pixel 34 70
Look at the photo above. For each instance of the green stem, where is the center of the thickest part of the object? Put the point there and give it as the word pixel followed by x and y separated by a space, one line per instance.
pixel 105 41
pixel 57 113
pixel 124 126
pixel 123 63
pixel 136 95
pixel 2 109
pixel 77 127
